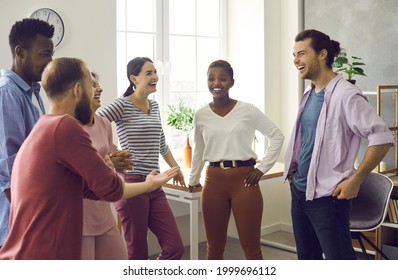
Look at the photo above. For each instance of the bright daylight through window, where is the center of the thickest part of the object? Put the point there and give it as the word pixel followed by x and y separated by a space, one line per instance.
pixel 182 37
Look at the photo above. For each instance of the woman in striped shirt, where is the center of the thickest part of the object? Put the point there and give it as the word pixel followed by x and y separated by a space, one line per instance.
pixel 140 131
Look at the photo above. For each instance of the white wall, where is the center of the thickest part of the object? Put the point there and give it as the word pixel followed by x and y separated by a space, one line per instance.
pixel 291 85
pixel 261 35
pixel 246 49
pixel 89 34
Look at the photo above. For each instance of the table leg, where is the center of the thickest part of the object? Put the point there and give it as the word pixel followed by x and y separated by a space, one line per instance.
pixel 194 232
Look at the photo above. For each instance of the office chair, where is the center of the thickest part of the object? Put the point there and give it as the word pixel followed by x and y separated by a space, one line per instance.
pixel 369 208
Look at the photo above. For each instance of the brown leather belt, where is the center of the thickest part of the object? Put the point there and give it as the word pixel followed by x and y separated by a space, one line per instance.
pixel 233 163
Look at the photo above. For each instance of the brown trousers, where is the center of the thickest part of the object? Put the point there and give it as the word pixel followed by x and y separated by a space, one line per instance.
pixel 223 191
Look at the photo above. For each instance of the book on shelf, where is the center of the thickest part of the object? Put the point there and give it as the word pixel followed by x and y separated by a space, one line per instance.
pixel 395 208
pixel 389 211
pixel 392 210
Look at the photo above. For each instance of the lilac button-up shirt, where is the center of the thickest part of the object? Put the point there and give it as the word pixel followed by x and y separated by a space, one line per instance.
pixel 345 118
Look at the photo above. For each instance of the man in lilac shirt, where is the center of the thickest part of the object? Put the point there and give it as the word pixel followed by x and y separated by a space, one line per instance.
pixel 32 49
pixel 319 163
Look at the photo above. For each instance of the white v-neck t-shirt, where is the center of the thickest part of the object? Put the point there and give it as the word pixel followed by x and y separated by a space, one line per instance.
pixel 230 137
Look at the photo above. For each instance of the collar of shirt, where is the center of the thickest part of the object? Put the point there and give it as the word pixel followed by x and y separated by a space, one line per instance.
pixel 28 89
pixel 328 89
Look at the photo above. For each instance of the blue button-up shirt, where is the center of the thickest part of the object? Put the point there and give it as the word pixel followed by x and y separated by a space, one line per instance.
pixel 345 118
pixel 18 115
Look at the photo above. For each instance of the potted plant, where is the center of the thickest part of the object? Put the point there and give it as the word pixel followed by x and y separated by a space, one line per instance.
pixel 181 117
pixel 351 68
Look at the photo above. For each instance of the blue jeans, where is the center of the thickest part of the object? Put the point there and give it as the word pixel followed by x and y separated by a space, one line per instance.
pixel 321 226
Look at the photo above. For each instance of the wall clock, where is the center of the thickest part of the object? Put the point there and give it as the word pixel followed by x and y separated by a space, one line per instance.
pixel 53 18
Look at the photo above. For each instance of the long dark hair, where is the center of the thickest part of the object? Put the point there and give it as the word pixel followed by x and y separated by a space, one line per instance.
pixel 320 41
pixel 134 67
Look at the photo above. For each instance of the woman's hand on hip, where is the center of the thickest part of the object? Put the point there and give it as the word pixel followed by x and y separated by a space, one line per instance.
pixel 253 177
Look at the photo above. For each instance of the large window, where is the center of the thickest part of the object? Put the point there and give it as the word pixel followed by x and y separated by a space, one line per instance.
pixel 182 37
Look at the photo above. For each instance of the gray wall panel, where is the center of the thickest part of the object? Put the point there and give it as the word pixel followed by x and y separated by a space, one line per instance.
pixel 365 28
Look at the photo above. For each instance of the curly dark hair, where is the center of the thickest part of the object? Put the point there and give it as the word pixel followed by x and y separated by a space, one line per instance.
pixel 24 32
pixel 223 64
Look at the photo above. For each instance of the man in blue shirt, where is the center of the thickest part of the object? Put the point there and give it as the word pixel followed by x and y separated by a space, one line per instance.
pixel 20 103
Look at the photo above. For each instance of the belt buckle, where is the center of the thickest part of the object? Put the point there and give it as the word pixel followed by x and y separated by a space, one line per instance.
pixel 222 165
pixel 234 164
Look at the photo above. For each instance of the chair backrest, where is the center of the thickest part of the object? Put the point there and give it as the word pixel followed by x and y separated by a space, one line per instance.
pixel 369 208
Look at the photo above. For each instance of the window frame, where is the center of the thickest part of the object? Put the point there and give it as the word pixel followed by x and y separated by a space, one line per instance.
pixel 161 55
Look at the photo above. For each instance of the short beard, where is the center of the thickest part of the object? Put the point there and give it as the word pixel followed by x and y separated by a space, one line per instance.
pixel 312 73
pixel 83 111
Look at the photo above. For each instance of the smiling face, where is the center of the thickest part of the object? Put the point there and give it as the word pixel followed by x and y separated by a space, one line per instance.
pixel 97 92
pixel 35 58
pixel 306 60
pixel 147 79
pixel 219 82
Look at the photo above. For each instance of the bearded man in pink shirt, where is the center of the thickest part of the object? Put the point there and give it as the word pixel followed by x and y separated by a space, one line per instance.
pixel 333 117
pixel 57 166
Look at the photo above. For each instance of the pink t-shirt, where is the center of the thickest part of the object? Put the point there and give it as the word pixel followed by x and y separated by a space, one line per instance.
pixel 51 173
pixel 97 214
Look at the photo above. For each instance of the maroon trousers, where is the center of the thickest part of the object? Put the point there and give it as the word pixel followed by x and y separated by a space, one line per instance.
pixel 149 211
pixel 223 191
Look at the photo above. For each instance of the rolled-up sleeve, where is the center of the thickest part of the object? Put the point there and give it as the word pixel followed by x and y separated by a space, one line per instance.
pixel 365 122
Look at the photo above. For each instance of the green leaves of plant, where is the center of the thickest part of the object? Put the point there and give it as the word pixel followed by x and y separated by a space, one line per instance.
pixel 342 64
pixel 181 117
pixel 340 61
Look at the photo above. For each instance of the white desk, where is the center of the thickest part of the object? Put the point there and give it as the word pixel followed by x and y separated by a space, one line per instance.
pixel 192 198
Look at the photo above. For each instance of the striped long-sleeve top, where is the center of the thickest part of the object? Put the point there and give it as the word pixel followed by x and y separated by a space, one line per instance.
pixel 140 133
